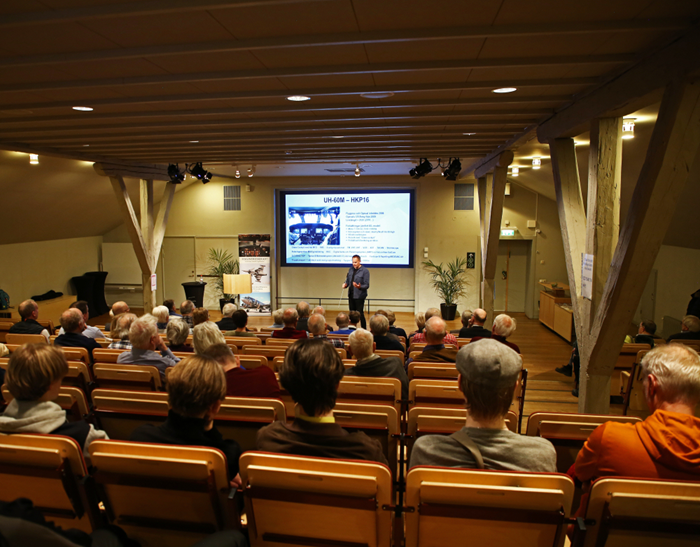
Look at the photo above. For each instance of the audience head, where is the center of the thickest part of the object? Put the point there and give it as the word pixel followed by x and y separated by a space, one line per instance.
pixel 391 316
pixel 204 335
pixel 196 386
pixel 200 315
pixel 354 317
pixel 432 312
pixel 690 323
pixel 177 331
pixel 35 372
pixel 379 325
pixel 420 320
pixel 303 309
pixel 186 307
pixel 488 375
pixel 161 313
pixel 320 310
pixel 142 332
pixel 504 325
pixel 671 375
pixel 120 325
pixel 221 353
pixel 361 343
pixel 83 307
pixel 228 309
pixel 277 316
pixel 317 324
pixel 342 320
pixel 479 317
pixel 27 309
pixel 435 330
pixel 119 307
pixel 384 313
pixel 170 304
pixel 240 318
pixel 647 326
pixel 72 321
pixel 311 372
pixel 466 317
pixel 290 317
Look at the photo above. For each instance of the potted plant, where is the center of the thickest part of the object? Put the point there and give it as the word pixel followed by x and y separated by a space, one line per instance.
pixel 449 282
pixel 221 262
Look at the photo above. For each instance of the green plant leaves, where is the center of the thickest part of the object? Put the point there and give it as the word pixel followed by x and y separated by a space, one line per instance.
pixel 221 262
pixel 449 279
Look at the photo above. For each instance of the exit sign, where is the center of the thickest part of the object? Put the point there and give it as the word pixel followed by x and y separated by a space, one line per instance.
pixel 507 232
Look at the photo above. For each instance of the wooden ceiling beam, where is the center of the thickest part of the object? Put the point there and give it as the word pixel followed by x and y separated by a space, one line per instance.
pixel 119 170
pixel 518 140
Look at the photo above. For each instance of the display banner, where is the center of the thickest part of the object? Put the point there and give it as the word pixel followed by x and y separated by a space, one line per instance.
pixel 254 259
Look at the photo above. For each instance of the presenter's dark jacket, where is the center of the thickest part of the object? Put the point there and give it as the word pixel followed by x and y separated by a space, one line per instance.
pixel 361 277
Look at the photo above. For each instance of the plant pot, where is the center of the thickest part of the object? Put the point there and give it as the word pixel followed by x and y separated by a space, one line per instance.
pixel 224 301
pixel 448 311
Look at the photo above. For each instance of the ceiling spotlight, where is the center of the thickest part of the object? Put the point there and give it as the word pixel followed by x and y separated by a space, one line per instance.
pixel 200 173
pixel 377 95
pixel 298 98
pixel 83 108
pixel 238 173
pixel 515 171
pixel 194 142
pixel 504 90
pixel 422 169
pixel 358 171
pixel 34 159
pixel 176 177
pixel 628 128
pixel 468 134
pixel 251 171
pixel 536 163
pixel 453 169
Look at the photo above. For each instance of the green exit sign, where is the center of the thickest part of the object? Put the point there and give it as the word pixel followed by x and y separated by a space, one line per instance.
pixel 507 232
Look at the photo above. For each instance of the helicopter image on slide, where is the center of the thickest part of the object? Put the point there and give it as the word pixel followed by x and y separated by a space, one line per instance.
pixel 314 226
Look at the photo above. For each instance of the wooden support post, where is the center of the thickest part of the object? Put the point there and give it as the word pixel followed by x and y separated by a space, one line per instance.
pixel 146 195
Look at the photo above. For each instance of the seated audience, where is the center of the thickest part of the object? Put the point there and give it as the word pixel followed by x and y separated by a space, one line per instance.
pixel 226 322
pixel 177 333
pixel 320 310
pixel 119 330
pixel 466 317
pixel 488 375
pixel 420 324
pixel 196 388
pixel 379 327
pixel 240 320
pixel 694 304
pixel 435 350
pixel 475 327
pixel 311 373
pixel 29 312
pixel 503 326
pixel 342 321
pixel 690 329
pixel 199 316
pixel 162 315
pixel 420 336
pixel 355 318
pixel 170 304
pixel 317 329
pixel 391 316
pixel 303 311
pixel 205 335
pixel 186 309
pixel 73 325
pixel 145 340
pixel 277 319
pixel 90 332
pixel 33 377
pixel 240 382
pixel 117 308
pixel 290 318
pixel 645 334
pixel 370 364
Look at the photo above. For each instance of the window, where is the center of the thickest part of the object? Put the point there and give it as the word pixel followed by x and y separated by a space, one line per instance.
pixel 464 197
pixel 232 198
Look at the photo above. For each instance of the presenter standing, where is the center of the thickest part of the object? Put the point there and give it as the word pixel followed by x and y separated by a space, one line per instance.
pixel 357 281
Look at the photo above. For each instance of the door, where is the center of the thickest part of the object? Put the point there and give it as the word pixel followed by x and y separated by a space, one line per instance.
pixel 511 275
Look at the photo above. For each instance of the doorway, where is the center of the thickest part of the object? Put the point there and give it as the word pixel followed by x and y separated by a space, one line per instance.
pixel 512 275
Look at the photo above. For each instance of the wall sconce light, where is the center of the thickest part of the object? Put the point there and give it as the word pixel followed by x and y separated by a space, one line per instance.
pixel 515 171
pixel 628 128
pixel 536 163
pixel 34 159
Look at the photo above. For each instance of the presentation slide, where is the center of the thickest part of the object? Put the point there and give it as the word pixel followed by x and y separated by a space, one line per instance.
pixel 327 227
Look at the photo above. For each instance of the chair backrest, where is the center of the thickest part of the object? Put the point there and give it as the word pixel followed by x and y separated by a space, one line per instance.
pixel 76 354
pixel 342 352
pixel 5 327
pixel 642 512
pixel 488 507
pixel 463 341
pixel 79 375
pixel 254 361
pixel 106 355
pixel 280 342
pixel 297 500
pixel 391 353
pixel 268 330
pixel 49 470
pixel 426 369
pixel 163 494
pixel 370 390
pixel 20 339
pixel 625 362
pixel 125 376
pixel 241 418
pixel 241 341
pixel 435 393
pixel 268 351
pixel 634 393
pixel 120 412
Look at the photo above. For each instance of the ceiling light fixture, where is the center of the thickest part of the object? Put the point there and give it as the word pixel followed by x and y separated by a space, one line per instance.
pixel 504 90
pixel 453 169
pixel 358 171
pixel 628 128
pixel 83 108
pixel 238 173
pixel 34 159
pixel 422 169
pixel 515 171
pixel 536 163
pixel 194 141
pixel 251 171
pixel 468 134
pixel 298 98
pixel 176 176
pixel 377 95
pixel 200 173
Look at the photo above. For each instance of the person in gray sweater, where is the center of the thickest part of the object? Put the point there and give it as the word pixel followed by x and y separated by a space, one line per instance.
pixel 488 374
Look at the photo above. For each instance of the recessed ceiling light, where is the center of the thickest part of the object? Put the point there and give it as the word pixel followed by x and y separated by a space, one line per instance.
pixel 337 137
pixel 505 90
pixel 194 141
pixel 287 151
pixel 377 95
pixel 86 145
pixel 83 108
pixel 468 134
pixel 298 98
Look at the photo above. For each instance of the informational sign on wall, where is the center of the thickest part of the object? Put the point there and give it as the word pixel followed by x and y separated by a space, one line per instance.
pixel 254 259
pixel 587 276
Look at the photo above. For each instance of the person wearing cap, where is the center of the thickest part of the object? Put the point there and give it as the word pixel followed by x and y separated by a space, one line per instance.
pixel 488 374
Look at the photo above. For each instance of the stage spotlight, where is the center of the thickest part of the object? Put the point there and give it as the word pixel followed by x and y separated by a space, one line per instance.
pixel 453 169
pixel 422 169
pixel 176 177
pixel 200 173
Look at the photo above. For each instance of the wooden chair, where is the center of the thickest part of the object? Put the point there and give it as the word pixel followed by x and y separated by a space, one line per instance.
pixel 163 494
pixel 106 355
pixel 625 362
pixel 71 399
pixel 297 500
pixel 80 376
pixel 20 339
pixel 430 369
pixel 280 342
pixel 4 329
pixel 268 351
pixel 243 341
pixel 268 330
pixel 634 400
pixel 264 336
pixel 49 470
pixel 76 354
pixel 463 341
pixel 642 513
pixel 47 324
pixel 131 377
pixel 487 507
pixel 435 393
pixel 120 412
pixel 391 353
pixel 695 344
pixel 241 418
pixel 370 390
pixel 254 361
pixel 420 346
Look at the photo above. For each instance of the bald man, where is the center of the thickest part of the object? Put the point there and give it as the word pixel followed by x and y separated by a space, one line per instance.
pixel 475 328
pixel 435 350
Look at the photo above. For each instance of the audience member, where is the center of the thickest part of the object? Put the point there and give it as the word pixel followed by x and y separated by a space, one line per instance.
pixel 162 315
pixel 196 388
pixel 488 375
pixel 317 329
pixel 370 364
pixel 290 318
pixel 311 373
pixel 177 333
pixel 303 311
pixel 226 322
pixel 73 325
pixel 205 335
pixel 342 321
pixel 420 336
pixel 503 326
pixel 29 312
pixel 186 309
pixel 118 307
pixel 170 304
pixel 240 382
pixel 144 338
pixel 320 310
pixel 119 330
pixel 645 334
pixel 475 327
pixel 33 377
pixel 199 316
pixel 435 350
pixel 355 318
pixel 277 319
pixel 694 304
pixel 466 317
pixel 379 327
pixel 398 331
pixel 420 324
pixel 690 329
pixel 240 320
pixel 90 332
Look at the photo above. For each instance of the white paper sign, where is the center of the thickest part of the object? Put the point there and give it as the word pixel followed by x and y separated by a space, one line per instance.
pixel 587 276
pixel 153 282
